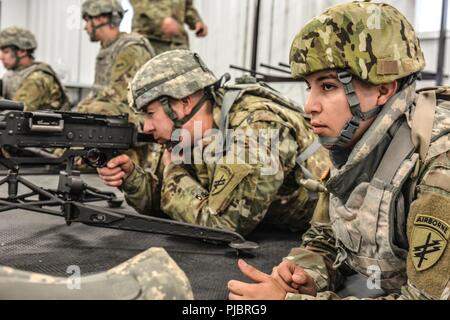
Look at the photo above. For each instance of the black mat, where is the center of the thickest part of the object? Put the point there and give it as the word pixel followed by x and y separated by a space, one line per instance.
pixel 41 243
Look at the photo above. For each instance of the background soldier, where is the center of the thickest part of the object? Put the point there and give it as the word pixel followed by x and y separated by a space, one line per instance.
pixel 161 21
pixel 388 213
pixel 118 60
pixel 174 91
pixel 28 81
pixel 151 275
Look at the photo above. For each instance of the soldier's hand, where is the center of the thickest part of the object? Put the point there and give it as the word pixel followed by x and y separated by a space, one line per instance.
pixel 116 171
pixel 201 29
pixel 289 275
pixel 170 27
pixel 264 288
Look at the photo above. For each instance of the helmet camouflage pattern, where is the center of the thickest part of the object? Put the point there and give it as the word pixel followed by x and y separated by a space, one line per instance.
pixel 373 40
pixel 94 8
pixel 176 74
pixel 19 37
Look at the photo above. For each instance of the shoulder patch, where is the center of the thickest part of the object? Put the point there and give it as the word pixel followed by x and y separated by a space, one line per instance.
pixel 222 178
pixel 428 242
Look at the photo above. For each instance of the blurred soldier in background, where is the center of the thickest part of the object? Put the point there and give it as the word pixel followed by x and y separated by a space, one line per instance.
pixel 120 57
pixel 33 83
pixel 162 22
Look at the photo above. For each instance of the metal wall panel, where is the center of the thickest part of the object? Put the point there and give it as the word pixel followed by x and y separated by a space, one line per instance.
pixel 64 44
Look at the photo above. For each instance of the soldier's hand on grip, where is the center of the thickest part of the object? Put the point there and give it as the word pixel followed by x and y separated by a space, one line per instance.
pixel 116 171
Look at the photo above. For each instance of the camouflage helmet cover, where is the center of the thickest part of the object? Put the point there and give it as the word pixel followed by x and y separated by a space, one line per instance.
pixel 94 8
pixel 373 40
pixel 176 74
pixel 19 37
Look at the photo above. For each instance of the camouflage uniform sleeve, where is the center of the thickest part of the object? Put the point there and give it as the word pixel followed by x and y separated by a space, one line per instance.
pixel 140 189
pixel 239 195
pixel 318 250
pixel 150 14
pixel 128 62
pixel 192 16
pixel 39 91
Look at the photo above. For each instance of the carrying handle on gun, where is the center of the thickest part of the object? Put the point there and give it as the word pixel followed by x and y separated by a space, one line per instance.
pixel 39 122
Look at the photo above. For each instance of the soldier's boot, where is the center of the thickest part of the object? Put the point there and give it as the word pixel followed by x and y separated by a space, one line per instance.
pixel 151 275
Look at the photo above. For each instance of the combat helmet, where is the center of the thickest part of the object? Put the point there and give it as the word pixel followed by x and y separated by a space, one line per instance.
pixel 17 37
pixel 94 8
pixel 372 41
pixel 173 74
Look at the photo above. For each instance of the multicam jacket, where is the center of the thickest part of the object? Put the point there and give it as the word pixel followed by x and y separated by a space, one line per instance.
pixel 37 86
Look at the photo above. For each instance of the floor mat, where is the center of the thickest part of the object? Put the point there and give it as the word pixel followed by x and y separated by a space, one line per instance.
pixel 41 243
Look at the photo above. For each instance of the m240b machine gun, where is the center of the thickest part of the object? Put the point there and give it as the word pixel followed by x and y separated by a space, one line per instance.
pixel 95 138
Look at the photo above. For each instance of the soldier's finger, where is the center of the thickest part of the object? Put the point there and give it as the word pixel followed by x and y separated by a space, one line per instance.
pixel 252 272
pixel 118 176
pixel 236 287
pixel 233 296
pixel 104 172
pixel 118 161
pixel 288 287
pixel 116 183
pixel 300 277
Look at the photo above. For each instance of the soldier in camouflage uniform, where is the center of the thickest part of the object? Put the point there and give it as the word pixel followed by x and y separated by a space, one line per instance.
pixel 161 21
pixel 387 215
pixel 174 91
pixel 151 275
pixel 120 57
pixel 28 81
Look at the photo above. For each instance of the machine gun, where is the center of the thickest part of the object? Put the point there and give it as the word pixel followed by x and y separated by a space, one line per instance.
pixel 96 138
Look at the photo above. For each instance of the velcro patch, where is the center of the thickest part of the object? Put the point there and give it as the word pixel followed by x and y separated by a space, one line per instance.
pixel 222 178
pixel 226 179
pixel 428 242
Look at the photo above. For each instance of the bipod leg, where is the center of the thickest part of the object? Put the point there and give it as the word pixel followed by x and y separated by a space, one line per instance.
pixel 73 188
pixel 107 218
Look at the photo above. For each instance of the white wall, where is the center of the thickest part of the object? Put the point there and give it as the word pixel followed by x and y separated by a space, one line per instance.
pixel 64 44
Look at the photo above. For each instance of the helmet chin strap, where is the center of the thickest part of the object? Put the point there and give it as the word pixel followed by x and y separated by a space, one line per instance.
pixel 179 123
pixel 349 130
pixel 16 58
pixel 95 28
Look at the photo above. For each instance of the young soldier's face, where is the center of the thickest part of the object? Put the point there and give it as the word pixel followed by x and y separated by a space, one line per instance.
pixel 8 58
pixel 327 103
pixel 157 123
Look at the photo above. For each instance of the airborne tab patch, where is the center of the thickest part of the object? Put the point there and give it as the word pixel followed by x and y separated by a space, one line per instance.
pixel 428 242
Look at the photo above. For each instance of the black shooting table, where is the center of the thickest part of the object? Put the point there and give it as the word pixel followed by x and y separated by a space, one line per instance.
pixel 43 243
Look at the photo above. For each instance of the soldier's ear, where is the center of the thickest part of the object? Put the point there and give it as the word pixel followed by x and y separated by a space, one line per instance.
pixel 186 103
pixel 386 91
pixel 22 53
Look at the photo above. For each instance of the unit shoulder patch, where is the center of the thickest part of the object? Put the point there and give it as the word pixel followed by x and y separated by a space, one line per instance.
pixel 428 242
pixel 222 178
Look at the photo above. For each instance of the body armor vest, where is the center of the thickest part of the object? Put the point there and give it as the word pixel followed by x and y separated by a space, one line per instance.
pixel 14 78
pixel 370 196
pixel 108 55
